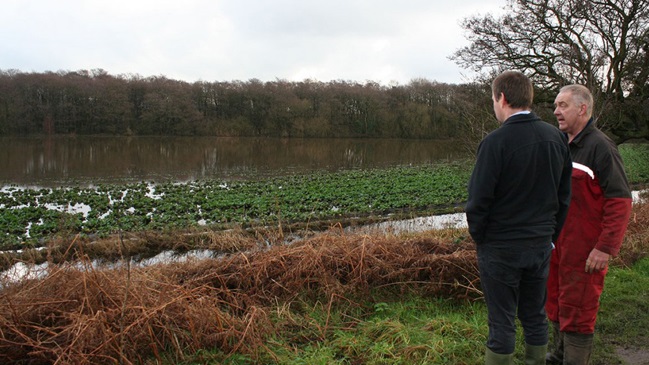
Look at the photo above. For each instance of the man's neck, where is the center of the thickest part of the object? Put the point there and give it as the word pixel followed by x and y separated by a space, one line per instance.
pixel 511 112
pixel 520 112
pixel 572 136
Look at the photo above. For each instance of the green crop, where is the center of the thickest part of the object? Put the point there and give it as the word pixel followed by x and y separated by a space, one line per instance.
pixel 32 216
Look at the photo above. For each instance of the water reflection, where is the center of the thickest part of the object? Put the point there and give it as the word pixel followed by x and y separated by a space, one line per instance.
pixel 22 271
pixel 54 161
pixel 419 224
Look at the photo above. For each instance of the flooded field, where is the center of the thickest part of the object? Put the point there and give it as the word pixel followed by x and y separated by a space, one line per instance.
pixel 60 161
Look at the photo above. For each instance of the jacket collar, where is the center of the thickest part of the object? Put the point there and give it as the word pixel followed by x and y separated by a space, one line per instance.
pixel 520 117
pixel 590 126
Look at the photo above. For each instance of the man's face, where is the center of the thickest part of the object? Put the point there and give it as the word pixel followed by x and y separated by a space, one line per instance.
pixel 570 115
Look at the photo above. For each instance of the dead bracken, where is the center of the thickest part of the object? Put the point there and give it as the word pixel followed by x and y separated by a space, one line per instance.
pixel 83 315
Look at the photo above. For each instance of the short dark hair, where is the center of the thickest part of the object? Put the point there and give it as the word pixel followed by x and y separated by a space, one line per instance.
pixel 516 87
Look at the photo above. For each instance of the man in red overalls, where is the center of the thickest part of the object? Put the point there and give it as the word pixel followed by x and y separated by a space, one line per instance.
pixel 598 215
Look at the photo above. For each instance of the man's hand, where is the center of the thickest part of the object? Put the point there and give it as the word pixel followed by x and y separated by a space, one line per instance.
pixel 597 261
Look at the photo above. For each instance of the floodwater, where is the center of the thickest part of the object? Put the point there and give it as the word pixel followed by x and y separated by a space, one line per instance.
pixel 82 160
pixel 87 160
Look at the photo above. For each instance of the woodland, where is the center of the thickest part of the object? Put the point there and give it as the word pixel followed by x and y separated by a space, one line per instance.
pixel 93 102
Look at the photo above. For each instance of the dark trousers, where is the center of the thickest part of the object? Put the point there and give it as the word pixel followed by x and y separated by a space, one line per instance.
pixel 513 277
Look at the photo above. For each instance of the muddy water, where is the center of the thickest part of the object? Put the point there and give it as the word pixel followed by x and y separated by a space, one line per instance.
pixel 60 161
pixel 22 271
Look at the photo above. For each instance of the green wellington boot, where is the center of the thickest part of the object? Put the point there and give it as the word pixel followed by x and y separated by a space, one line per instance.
pixel 535 355
pixel 577 348
pixel 492 358
pixel 555 357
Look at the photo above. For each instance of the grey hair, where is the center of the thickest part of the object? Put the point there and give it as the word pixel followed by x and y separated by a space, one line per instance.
pixel 581 95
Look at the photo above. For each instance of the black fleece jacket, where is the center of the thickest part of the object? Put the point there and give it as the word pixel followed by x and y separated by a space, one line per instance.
pixel 520 185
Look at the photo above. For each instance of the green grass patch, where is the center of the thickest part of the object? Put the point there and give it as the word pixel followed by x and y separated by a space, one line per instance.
pixel 623 317
pixel 413 330
pixel 418 330
pixel 636 162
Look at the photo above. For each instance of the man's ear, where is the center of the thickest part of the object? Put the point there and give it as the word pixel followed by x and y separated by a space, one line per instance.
pixel 501 99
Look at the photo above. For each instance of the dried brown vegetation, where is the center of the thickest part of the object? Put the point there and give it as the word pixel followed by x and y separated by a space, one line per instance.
pixel 79 314
pixel 636 240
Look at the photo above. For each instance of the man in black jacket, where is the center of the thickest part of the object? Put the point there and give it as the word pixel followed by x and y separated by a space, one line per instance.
pixel 519 193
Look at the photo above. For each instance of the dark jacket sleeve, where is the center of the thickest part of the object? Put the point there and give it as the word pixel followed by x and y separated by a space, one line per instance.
pixel 614 223
pixel 563 195
pixel 617 201
pixel 482 187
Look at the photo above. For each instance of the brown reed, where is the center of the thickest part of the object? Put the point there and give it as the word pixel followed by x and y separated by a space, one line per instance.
pixel 80 314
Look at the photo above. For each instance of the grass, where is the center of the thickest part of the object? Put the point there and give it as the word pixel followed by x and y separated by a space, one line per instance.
pixel 413 330
pixel 624 315
pixel 421 330
pixel 636 162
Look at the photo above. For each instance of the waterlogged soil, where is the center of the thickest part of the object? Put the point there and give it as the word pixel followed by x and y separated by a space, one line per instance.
pixel 147 249
pixel 633 355
pixel 34 215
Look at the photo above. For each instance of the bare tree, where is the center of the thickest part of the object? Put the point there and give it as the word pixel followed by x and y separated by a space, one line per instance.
pixel 603 44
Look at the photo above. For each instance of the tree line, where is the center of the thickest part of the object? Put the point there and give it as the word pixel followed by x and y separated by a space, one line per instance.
pixel 93 102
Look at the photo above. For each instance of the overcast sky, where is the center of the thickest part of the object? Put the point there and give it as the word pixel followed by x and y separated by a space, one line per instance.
pixel 385 41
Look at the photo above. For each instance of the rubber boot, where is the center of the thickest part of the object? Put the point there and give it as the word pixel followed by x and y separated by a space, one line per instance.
pixel 492 358
pixel 535 355
pixel 577 348
pixel 555 357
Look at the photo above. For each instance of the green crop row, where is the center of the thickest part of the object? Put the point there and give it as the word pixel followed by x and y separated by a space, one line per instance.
pixel 30 216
